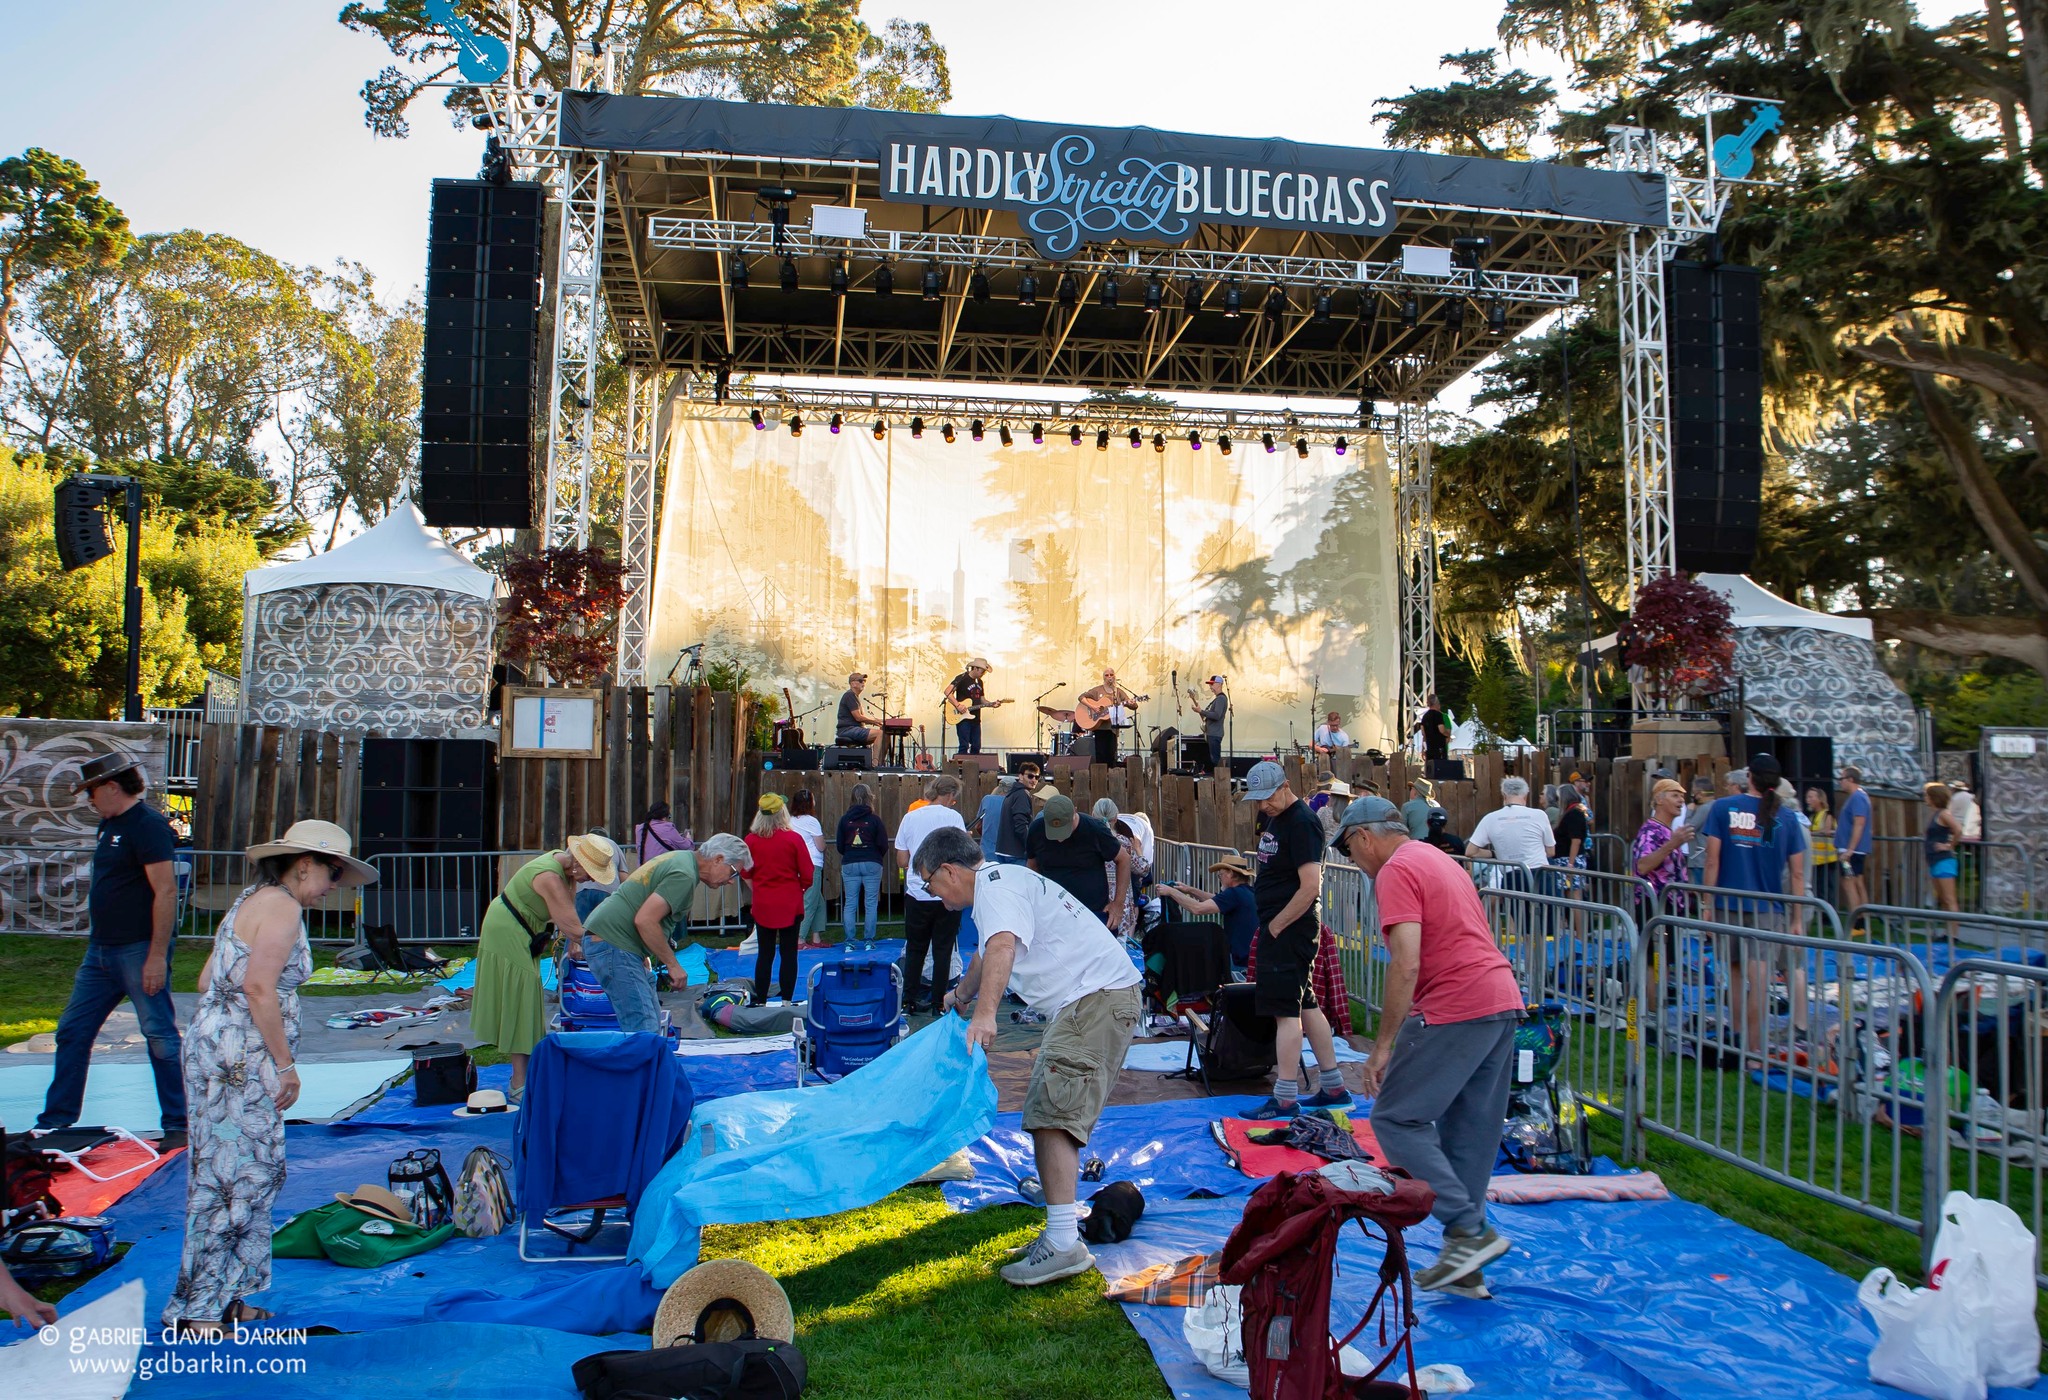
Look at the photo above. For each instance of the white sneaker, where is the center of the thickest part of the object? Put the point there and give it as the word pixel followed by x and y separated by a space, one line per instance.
pixel 1044 1264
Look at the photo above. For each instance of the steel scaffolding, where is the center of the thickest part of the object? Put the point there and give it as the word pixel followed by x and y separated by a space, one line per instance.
pixel 646 416
pixel 1417 545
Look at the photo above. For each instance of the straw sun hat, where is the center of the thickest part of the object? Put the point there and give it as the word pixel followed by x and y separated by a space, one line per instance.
pixel 598 855
pixel 723 1300
pixel 317 838
pixel 378 1201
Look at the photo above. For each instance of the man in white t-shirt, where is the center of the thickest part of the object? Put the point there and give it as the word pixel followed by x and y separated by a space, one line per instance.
pixel 928 925
pixel 1037 941
pixel 1330 736
pixel 1516 833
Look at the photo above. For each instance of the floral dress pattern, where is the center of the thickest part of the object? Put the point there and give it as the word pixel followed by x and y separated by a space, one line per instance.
pixel 236 1148
pixel 1140 873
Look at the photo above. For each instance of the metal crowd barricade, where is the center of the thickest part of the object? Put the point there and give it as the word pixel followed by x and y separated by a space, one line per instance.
pixel 437 896
pixel 1780 913
pixel 1607 851
pixel 1823 1094
pixel 1940 939
pixel 209 883
pixel 1988 874
pixel 44 889
pixel 1991 1038
pixel 1353 917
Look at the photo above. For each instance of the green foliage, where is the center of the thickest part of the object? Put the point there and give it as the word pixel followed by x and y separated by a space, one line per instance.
pixel 730 673
pixel 1975 699
pixel 52 217
pixel 1502 699
pixel 1489 113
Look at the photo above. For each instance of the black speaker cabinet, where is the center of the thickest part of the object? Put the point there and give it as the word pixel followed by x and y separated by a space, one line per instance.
pixel 1714 358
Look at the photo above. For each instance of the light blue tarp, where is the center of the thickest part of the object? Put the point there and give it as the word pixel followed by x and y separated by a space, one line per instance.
pixel 123 1095
pixel 727 963
pixel 795 1153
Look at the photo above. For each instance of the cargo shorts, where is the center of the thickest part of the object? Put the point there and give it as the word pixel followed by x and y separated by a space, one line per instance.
pixel 1078 1062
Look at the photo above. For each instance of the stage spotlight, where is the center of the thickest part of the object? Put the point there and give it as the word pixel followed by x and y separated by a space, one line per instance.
pixel 946 430
pixel 759 421
pixel 1070 290
pixel 1324 301
pixel 1102 439
pixel 796 425
pixel 1195 439
pixel 934 282
pixel 1411 312
pixel 1233 299
pixel 1107 297
pixel 885 280
pixel 974 430
pixel 1496 318
pixel 1466 251
pixel 917 427
pixel 1223 443
pixel 736 272
pixel 1136 437
pixel 1003 434
pixel 1341 445
pixel 1276 302
pixel 1159 442
pixel 1155 293
pixel 1074 435
pixel 789 279
pixel 977 285
pixel 1038 434
pixel 1301 447
pixel 1027 288
pixel 837 282
pixel 1454 313
pixel 1266 441
pixel 836 422
pixel 881 430
pixel 1190 295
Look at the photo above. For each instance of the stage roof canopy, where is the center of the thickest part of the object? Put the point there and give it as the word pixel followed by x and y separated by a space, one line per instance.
pixel 750 237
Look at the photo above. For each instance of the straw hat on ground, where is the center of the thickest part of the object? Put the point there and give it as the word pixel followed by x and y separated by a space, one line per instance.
pixel 723 1300
pixel 318 838
pixel 598 854
pixel 378 1201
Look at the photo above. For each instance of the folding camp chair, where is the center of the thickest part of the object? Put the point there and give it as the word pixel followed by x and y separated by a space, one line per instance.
pixel 586 1006
pixel 387 954
pixel 1234 1041
pixel 70 1146
pixel 853 1013
pixel 603 1111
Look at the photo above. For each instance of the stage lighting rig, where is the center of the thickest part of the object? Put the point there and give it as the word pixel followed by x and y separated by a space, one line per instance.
pixel 796 425
pixel 885 280
pixel 1496 318
pixel 736 272
pixel 759 422
pixel 789 277
pixel 1411 311
pixel 1027 288
pixel 1266 441
pixel 1107 297
pixel 1155 294
pixel 1466 252
pixel 946 430
pixel 881 429
pixel 1038 434
pixel 1276 303
pixel 974 430
pixel 1454 314
pixel 1190 295
pixel 838 281
pixel 1301 447
pixel 1223 443
pixel 1159 442
pixel 1102 439
pixel 1136 437
pixel 917 427
pixel 1233 299
pixel 1194 439
pixel 1074 434
pixel 1070 291
pixel 934 282
pixel 1003 434
pixel 977 284
pixel 836 423
pixel 778 199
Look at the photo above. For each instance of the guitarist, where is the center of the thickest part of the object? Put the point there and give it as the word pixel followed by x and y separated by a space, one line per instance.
pixel 1091 714
pixel 965 702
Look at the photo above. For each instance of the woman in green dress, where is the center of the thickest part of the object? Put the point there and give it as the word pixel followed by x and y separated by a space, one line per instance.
pixel 509 1010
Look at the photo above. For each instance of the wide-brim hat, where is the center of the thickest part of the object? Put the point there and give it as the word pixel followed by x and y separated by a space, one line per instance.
pixel 378 1201
pixel 722 1300
pixel 597 854
pixel 1235 864
pixel 484 1103
pixel 979 663
pixel 318 838
pixel 107 765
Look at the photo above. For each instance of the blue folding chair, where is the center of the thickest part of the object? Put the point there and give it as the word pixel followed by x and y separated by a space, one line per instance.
pixel 586 1006
pixel 853 1013
pixel 603 1112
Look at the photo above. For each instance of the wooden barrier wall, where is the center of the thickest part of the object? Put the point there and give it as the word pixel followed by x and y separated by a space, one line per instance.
pixel 255 780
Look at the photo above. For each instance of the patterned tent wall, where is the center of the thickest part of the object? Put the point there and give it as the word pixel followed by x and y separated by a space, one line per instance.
pixel 47 829
pixel 392 659
pixel 1802 680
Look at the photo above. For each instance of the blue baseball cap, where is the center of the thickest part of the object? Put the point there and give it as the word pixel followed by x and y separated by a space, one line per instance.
pixel 1265 779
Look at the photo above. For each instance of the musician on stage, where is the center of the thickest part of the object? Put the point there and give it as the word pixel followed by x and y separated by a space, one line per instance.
pixel 856 725
pixel 1092 713
pixel 965 702
pixel 1212 712
pixel 1330 737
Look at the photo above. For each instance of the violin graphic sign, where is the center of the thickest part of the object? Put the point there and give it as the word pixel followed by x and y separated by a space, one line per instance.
pixel 1734 155
pixel 482 58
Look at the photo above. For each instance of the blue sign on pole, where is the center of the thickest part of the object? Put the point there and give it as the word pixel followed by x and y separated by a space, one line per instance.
pixel 483 58
pixel 1734 155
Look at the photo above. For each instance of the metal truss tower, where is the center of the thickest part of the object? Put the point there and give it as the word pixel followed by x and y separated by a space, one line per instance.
pixel 1417 545
pixel 646 415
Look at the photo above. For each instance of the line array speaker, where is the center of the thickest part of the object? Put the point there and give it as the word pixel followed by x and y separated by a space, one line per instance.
pixel 478 374
pixel 1712 314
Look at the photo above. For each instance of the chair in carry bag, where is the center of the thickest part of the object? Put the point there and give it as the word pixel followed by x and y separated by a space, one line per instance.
pixel 1234 1041
pixel 853 1013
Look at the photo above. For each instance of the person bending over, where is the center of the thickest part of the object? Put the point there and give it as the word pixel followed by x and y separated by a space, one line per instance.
pixel 636 922
pixel 1038 941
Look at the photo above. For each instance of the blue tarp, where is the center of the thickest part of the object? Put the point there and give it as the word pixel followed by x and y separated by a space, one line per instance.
pixel 730 962
pixel 1163 1147
pixel 796 1153
pixel 711 1077
pixel 123 1095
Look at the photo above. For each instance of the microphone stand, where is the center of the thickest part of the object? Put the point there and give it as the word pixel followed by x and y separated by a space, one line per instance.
pixel 1038 732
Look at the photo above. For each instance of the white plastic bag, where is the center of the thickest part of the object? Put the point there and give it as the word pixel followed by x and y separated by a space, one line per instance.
pixel 1214 1331
pixel 2010 1345
pixel 1928 1339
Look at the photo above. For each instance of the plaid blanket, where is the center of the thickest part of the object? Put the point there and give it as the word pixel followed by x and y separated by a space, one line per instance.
pixel 1327 978
pixel 1181 1284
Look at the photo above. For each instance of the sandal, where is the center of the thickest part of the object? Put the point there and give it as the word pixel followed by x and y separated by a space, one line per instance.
pixel 241 1312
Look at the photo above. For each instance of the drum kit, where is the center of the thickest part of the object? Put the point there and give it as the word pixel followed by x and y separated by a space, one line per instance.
pixel 1068 739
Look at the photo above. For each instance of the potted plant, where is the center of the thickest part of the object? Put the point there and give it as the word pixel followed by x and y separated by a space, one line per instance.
pixel 1679 643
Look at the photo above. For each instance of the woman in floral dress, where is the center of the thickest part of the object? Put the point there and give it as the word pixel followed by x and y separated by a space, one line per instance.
pixel 239 1075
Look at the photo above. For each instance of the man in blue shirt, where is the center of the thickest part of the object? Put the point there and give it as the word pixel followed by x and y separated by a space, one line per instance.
pixel 1754 843
pixel 1232 902
pixel 1852 838
pixel 134 909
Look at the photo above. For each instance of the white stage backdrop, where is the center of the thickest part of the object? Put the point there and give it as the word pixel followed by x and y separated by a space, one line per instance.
pixel 810 557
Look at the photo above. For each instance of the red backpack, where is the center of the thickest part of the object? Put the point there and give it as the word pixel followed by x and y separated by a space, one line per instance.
pixel 1283 1253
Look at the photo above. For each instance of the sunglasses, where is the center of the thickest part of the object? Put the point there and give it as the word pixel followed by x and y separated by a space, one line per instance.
pixel 335 868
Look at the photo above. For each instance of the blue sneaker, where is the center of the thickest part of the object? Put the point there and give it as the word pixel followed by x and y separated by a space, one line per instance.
pixel 1272 1109
pixel 1319 1099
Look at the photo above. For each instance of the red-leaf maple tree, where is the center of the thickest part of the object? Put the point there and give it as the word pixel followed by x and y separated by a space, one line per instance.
pixel 1681 634
pixel 559 609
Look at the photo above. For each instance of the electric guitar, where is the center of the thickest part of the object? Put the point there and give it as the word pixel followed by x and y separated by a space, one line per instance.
pixel 1089 714
pixel 1735 153
pixel 482 58
pixel 957 710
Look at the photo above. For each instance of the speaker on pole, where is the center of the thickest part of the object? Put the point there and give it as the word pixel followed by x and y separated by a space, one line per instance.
pixel 1714 354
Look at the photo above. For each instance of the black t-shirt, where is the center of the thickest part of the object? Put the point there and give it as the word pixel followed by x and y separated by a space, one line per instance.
pixel 1079 864
pixel 1572 827
pixel 848 703
pixel 1291 840
pixel 966 687
pixel 1435 743
pixel 123 902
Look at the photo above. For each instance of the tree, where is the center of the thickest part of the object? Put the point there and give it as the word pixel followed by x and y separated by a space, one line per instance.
pixel 558 613
pixel 52 217
pixel 1680 635
pixel 805 51
pixel 1490 113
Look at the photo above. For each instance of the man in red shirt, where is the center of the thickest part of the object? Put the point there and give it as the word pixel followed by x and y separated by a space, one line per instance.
pixel 1440 1066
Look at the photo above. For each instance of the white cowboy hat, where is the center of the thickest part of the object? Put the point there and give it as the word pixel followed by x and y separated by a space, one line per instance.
pixel 318 838
pixel 723 1300
pixel 486 1101
pixel 599 855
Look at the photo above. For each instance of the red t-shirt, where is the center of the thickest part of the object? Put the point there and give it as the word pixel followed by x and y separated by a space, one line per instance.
pixel 1463 975
pixel 782 872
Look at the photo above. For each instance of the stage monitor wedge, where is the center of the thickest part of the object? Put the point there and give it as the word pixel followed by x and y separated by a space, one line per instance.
pixel 479 374
pixel 1712 340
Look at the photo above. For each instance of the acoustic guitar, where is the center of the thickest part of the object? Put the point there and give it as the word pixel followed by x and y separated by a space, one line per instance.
pixel 1090 714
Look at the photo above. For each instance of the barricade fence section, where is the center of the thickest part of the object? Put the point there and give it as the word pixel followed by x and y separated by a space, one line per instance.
pixel 1940 939
pixel 1797 1058
pixel 1352 915
pixel 1779 913
pixel 209 883
pixel 1991 1039
pixel 1991 876
pixel 44 890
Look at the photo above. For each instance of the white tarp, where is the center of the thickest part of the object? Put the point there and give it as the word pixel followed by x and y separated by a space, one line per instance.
pixel 399 549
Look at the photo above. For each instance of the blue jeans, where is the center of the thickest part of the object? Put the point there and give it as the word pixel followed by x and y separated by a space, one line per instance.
pixel 109 973
pixel 626 981
pixel 863 889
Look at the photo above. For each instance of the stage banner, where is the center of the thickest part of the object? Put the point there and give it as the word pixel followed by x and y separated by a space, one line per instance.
pixel 809 557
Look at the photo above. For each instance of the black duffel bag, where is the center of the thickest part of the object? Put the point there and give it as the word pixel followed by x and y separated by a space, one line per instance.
pixel 754 1369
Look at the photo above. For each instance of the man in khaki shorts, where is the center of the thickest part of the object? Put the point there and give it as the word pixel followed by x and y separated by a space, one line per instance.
pixel 1038 941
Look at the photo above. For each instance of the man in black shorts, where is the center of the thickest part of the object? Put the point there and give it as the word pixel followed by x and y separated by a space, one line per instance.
pixel 1290 878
